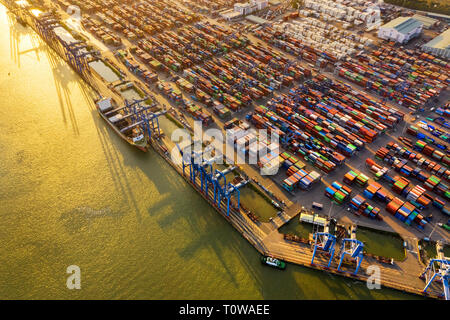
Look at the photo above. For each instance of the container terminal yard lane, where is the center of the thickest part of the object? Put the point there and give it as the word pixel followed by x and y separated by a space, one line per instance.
pixel 300 86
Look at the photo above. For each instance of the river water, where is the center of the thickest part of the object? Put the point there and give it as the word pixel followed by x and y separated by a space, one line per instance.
pixel 73 193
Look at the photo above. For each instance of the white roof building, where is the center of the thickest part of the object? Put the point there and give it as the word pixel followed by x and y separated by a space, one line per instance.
pixel 244 8
pixel 260 4
pixel 230 14
pixel 401 29
pixel 428 22
pixel 439 46
pixel 251 6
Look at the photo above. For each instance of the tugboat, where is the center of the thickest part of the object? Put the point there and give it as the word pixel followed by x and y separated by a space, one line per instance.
pixel 273 262
pixel 120 121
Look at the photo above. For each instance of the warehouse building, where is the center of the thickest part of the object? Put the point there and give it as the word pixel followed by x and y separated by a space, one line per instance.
pixel 400 30
pixel 439 16
pixel 439 46
pixel 251 6
pixel 230 15
pixel 244 8
pixel 428 22
pixel 257 20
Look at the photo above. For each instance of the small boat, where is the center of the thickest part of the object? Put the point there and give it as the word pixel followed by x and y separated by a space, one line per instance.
pixel 122 123
pixel 273 262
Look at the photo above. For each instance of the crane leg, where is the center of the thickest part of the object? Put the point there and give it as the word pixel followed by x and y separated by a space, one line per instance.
pixel 314 253
pixel 446 288
pixel 331 258
pixel 360 259
pixel 340 262
pixel 430 282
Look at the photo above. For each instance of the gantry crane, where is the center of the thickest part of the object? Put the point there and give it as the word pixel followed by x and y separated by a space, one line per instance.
pixel 438 269
pixel 352 247
pixel 325 242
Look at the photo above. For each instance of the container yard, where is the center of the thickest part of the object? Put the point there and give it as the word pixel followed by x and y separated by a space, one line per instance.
pixel 357 12
pixel 320 36
pixel 399 75
pixel 353 163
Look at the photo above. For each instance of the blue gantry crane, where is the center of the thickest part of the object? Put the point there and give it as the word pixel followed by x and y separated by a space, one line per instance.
pixel 438 270
pixel 325 242
pixel 75 52
pixel 233 190
pixel 142 116
pixel 200 167
pixel 197 165
pixel 185 159
pixel 224 190
pixel 352 247
pixel 77 55
pixel 45 28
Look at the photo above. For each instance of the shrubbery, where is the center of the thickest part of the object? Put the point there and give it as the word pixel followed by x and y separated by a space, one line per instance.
pixel 441 6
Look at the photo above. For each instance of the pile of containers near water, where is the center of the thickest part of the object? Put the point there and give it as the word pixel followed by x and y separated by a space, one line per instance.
pixel 306 146
pixel 417 195
pixel 375 191
pixel 174 94
pixel 215 87
pixel 248 143
pixel 372 191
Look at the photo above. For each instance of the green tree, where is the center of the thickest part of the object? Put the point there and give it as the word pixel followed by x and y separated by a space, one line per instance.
pixel 297 4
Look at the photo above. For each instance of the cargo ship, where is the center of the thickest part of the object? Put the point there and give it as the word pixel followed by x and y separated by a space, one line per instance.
pixel 273 262
pixel 121 122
